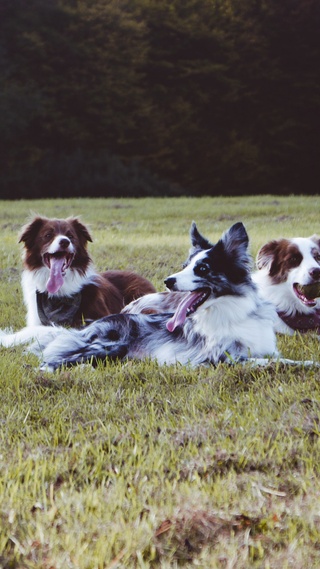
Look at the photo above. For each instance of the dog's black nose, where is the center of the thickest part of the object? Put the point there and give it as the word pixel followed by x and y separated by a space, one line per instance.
pixel 170 282
pixel 64 242
pixel 315 273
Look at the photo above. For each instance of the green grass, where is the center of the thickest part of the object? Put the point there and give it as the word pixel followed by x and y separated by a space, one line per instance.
pixel 144 466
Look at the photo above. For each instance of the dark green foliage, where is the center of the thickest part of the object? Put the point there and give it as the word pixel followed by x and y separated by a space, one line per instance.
pixel 220 97
pixel 79 173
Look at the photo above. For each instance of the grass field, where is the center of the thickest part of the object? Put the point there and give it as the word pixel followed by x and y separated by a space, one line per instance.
pixel 146 466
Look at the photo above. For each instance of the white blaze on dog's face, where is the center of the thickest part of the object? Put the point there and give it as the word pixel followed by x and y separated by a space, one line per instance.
pixel 211 270
pixel 60 243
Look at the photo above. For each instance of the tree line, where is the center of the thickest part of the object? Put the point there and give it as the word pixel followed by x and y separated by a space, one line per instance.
pixel 159 97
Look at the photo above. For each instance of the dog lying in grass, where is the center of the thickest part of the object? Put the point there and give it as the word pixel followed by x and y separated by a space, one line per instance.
pixel 219 318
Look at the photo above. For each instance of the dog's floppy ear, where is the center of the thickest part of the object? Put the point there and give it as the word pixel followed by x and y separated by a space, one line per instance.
pixel 266 254
pixel 197 241
pixel 236 239
pixel 80 229
pixel 30 231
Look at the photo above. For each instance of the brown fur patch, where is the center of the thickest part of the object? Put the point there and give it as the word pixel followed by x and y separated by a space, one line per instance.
pixel 279 256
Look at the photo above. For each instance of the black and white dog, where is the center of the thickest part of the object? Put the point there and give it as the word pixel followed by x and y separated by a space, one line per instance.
pixel 219 318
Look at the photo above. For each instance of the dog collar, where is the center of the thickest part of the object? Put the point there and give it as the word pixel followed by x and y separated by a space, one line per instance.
pixel 57 310
pixel 302 322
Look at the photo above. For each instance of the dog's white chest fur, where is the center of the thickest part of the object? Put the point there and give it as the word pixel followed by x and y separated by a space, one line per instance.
pixel 33 281
pixel 237 321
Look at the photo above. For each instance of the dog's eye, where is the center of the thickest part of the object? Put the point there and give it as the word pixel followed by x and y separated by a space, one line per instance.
pixel 203 269
pixel 317 257
pixel 294 260
pixel 113 335
pixel 69 235
pixel 48 235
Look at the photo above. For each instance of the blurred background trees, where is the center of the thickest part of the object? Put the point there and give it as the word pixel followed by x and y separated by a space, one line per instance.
pixel 159 97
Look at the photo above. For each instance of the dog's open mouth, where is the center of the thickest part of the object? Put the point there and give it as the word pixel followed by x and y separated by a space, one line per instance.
pixel 57 263
pixel 307 294
pixel 188 305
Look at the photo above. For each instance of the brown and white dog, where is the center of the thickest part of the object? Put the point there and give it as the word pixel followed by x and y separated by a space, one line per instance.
pixel 59 282
pixel 287 269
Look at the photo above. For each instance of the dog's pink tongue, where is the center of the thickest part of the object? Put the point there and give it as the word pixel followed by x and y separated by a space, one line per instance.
pixel 55 279
pixel 180 314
